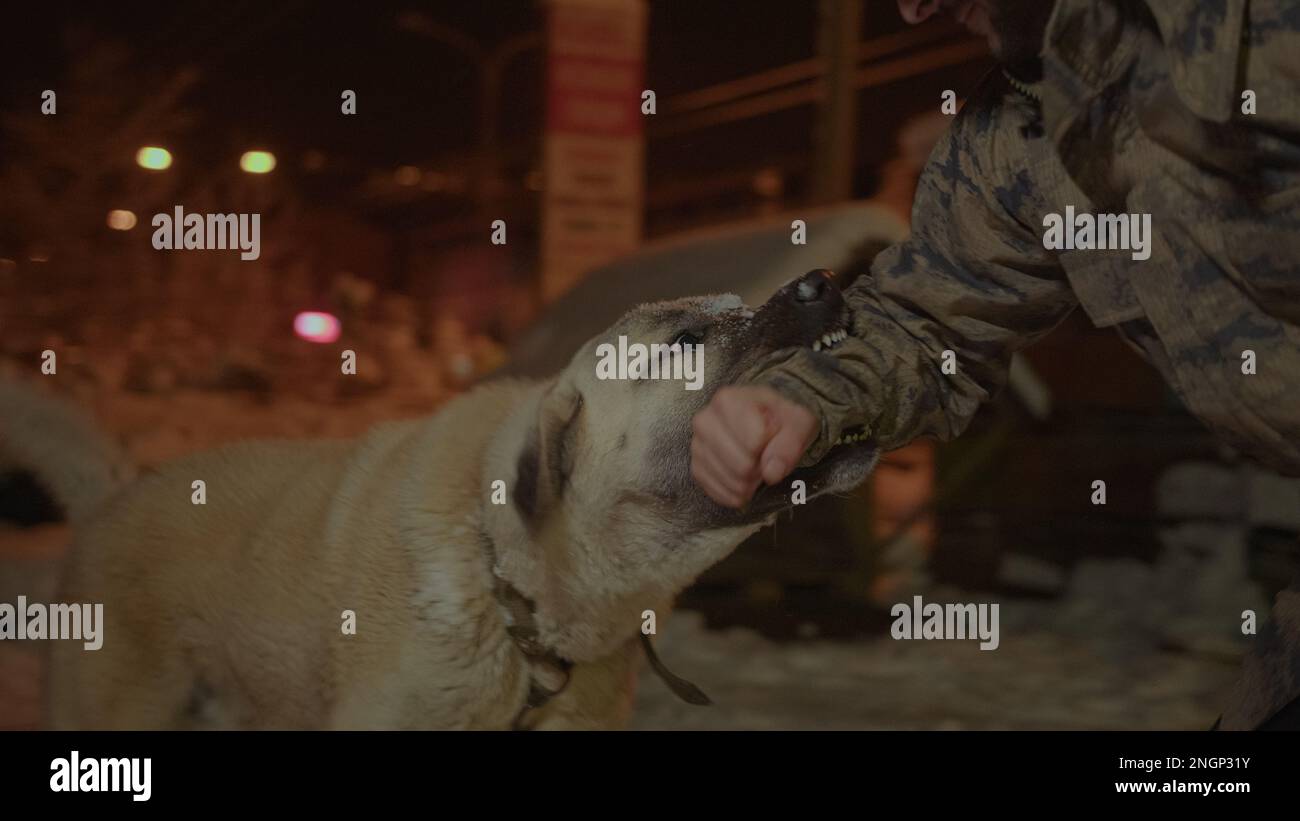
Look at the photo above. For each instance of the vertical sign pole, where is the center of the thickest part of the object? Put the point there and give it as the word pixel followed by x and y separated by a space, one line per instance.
pixel 594 145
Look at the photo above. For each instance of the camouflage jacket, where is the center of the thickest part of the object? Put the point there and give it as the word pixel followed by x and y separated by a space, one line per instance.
pixel 1139 111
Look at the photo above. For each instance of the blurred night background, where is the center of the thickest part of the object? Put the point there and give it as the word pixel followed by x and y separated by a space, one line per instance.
pixel 1118 616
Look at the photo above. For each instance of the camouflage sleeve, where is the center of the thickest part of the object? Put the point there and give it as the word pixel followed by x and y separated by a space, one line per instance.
pixel 973 279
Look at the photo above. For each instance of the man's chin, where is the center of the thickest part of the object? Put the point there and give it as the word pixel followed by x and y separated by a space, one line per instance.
pixel 1015 32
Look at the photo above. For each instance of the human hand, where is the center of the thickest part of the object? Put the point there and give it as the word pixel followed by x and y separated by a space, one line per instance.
pixel 746 435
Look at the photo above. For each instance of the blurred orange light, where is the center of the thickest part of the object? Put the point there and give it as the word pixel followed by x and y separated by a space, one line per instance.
pixel 407 175
pixel 317 326
pixel 121 220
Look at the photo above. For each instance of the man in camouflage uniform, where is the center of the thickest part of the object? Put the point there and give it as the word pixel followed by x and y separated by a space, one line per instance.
pixel 1109 106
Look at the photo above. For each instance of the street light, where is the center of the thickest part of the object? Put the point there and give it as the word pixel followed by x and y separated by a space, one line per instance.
pixel 491 63
pixel 257 162
pixel 154 158
pixel 121 220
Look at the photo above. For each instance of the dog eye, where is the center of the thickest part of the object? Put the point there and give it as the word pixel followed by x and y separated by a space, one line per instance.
pixel 687 338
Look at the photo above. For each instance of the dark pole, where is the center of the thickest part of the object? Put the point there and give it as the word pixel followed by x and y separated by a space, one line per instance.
pixel 838 32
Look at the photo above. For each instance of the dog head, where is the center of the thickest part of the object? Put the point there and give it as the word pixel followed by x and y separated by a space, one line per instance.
pixel 603 472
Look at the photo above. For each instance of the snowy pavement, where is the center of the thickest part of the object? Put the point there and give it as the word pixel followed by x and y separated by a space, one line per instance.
pixel 1037 679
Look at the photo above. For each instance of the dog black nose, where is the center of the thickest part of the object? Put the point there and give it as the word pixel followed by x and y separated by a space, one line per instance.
pixel 815 286
pixel 801 313
pixel 816 297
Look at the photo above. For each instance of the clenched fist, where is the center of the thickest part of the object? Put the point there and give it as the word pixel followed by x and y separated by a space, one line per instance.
pixel 744 436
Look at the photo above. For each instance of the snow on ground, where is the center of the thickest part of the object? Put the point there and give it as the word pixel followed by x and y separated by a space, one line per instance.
pixel 1129 646
pixel 1037 679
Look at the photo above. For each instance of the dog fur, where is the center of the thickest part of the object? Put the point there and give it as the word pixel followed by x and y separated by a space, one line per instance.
pixel 228 614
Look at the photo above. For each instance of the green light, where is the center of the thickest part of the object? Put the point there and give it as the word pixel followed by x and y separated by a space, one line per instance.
pixel 153 158
pixel 257 162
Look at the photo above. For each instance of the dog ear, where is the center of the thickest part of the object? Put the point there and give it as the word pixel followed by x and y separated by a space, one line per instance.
pixel 546 462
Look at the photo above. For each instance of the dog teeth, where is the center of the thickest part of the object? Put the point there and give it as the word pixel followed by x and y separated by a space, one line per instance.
pixel 830 339
pixel 850 438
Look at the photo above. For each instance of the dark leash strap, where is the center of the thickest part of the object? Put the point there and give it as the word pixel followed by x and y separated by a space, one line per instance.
pixel 681 688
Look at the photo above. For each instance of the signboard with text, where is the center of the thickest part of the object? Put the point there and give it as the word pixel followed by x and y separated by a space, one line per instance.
pixel 594 146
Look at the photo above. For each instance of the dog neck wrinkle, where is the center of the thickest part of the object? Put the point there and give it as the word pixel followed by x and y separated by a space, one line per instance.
pixel 548 671
pixel 546 666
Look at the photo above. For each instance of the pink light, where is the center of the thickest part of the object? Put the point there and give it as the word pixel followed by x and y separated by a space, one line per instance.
pixel 316 326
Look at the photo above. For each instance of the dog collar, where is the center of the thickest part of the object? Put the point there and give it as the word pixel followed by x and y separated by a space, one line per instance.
pixel 548 671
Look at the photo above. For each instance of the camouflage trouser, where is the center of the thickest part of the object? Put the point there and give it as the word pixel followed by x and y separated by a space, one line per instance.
pixel 1267 696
